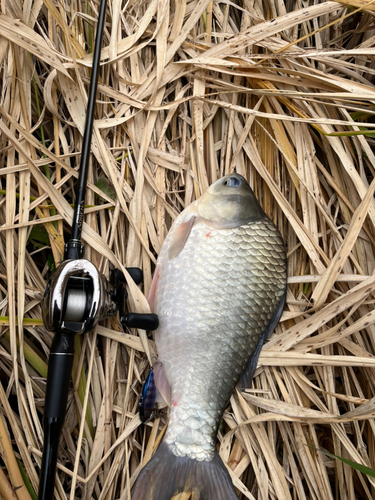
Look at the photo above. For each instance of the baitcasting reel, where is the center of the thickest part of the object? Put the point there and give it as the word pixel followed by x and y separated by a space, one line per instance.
pixel 78 296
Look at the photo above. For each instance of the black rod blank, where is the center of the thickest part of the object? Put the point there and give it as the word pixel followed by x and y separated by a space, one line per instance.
pixel 74 248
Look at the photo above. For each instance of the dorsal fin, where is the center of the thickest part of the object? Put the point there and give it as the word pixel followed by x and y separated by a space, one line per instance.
pixel 248 374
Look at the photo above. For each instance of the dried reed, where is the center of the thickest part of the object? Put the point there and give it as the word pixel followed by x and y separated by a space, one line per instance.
pixel 281 92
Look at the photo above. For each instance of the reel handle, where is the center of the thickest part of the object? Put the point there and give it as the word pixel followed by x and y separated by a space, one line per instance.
pixel 143 321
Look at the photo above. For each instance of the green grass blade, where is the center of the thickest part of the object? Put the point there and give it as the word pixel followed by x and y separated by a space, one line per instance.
pixel 27 481
pixel 361 468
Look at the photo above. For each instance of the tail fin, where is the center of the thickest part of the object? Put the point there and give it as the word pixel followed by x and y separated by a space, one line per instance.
pixel 166 475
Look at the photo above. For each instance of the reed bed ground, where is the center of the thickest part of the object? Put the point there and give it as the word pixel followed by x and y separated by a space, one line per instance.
pixel 190 90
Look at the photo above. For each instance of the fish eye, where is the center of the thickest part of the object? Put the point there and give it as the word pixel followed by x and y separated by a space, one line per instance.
pixel 232 182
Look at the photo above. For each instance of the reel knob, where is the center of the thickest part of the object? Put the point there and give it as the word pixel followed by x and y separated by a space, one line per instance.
pixel 148 322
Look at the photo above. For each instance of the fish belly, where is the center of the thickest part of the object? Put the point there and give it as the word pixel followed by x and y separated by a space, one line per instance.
pixel 214 302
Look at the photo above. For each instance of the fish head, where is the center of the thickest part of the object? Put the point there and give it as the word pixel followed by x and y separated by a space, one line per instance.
pixel 229 202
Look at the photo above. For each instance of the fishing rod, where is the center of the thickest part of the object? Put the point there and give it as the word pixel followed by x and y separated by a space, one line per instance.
pixel 76 297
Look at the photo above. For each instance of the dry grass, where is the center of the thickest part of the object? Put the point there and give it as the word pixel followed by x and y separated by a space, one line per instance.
pixel 282 93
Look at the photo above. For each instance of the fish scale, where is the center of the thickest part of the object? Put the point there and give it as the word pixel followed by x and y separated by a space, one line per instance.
pixel 214 301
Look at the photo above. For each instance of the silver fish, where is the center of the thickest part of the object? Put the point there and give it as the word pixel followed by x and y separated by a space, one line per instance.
pixel 219 290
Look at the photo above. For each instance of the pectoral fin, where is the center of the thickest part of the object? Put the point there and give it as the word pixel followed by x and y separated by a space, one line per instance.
pixel 152 292
pixel 180 236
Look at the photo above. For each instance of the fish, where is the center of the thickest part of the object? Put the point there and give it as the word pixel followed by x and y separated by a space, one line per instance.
pixel 219 290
